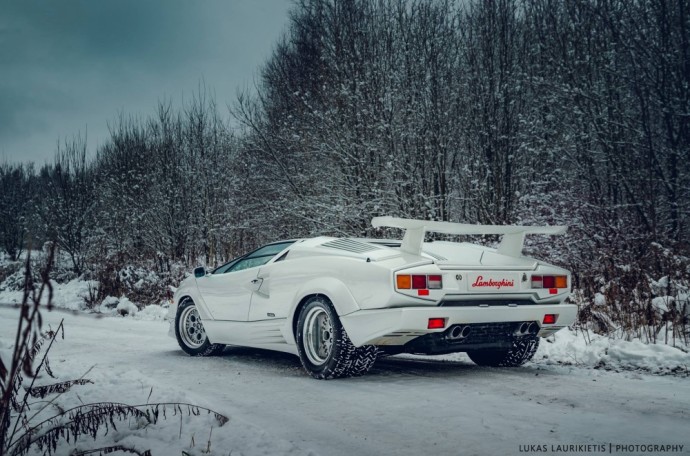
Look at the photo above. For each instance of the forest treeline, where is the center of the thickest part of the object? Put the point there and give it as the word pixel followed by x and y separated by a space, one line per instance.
pixel 501 112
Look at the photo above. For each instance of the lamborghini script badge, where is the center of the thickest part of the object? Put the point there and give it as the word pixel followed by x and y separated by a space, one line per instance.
pixel 481 282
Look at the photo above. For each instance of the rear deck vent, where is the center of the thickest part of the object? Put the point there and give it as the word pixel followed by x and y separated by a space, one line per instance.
pixel 350 245
pixel 435 256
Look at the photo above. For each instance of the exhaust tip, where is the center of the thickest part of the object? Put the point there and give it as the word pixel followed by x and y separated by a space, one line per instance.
pixel 533 328
pixel 456 333
pixel 459 332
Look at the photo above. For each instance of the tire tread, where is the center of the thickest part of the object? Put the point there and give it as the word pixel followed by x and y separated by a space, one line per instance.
pixel 347 360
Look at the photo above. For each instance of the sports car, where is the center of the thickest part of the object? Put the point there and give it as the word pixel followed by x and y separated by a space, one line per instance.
pixel 339 303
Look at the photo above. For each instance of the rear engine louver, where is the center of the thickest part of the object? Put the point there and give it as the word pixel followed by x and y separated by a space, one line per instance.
pixel 350 245
pixel 435 256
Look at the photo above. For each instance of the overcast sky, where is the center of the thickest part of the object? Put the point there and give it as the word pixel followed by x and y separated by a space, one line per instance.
pixel 69 66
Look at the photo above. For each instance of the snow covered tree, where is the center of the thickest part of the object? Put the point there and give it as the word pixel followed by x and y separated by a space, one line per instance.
pixel 16 196
pixel 66 201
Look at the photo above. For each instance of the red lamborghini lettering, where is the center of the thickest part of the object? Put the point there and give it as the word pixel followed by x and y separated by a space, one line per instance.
pixel 491 283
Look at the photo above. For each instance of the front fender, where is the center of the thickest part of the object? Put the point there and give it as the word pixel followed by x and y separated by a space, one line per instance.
pixel 188 289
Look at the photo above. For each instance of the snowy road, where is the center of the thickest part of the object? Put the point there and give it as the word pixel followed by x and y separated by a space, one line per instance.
pixel 405 406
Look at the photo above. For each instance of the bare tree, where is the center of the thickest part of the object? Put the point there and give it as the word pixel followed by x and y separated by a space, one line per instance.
pixel 67 200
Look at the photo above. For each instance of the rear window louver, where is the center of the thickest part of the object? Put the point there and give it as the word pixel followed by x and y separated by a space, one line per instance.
pixel 350 245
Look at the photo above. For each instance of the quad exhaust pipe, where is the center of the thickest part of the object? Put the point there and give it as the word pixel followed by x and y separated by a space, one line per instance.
pixel 527 328
pixel 459 332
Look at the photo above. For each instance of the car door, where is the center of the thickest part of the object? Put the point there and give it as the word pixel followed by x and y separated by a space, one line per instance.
pixel 228 291
pixel 228 296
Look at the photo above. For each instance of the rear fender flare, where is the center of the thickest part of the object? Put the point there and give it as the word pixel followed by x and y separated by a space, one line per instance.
pixel 333 289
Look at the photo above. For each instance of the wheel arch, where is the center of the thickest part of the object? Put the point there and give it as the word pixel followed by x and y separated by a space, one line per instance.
pixel 172 310
pixel 332 289
pixel 192 294
pixel 184 298
pixel 298 310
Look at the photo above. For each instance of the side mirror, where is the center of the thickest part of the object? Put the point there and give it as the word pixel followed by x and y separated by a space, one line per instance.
pixel 199 272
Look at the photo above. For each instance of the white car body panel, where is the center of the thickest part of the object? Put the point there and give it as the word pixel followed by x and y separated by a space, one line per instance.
pixel 224 302
pixel 259 306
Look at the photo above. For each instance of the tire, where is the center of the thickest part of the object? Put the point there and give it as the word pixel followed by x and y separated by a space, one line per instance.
pixel 324 348
pixel 522 351
pixel 190 333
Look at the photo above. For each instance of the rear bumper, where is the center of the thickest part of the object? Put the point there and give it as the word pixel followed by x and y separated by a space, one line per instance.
pixel 401 325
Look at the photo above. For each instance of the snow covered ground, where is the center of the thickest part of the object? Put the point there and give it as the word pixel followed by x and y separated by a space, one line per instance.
pixel 407 405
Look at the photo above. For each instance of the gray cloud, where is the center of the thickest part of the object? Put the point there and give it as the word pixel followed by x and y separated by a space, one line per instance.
pixel 71 66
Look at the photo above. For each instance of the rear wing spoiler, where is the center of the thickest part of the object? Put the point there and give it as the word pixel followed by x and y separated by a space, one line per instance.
pixel 511 243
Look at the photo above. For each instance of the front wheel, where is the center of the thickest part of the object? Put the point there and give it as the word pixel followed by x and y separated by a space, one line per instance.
pixel 324 348
pixel 518 354
pixel 190 332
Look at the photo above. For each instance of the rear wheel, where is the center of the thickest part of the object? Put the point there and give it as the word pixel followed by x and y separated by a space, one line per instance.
pixel 324 348
pixel 521 351
pixel 190 332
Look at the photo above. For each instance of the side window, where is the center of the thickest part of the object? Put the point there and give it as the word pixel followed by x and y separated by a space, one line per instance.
pixel 247 263
pixel 270 250
pixel 258 257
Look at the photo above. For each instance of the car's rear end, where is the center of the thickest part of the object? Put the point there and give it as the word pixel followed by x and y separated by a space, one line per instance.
pixel 466 298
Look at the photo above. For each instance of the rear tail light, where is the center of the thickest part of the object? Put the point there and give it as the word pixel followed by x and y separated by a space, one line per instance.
pixel 435 282
pixel 549 281
pixel 403 282
pixel 550 319
pixel 436 323
pixel 419 282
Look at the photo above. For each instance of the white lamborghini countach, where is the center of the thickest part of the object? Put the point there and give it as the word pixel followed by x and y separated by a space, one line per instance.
pixel 339 303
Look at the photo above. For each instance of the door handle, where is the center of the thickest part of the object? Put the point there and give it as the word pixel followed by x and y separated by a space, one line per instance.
pixel 256 284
